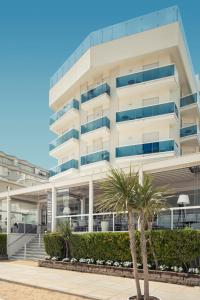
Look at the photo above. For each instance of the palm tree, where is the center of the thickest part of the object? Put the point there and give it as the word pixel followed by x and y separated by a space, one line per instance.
pixel 149 201
pixel 65 230
pixel 118 196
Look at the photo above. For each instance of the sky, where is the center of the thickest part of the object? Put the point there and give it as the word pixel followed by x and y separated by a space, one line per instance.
pixel 36 37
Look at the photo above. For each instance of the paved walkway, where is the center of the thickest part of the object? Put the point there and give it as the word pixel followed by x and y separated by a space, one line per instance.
pixel 90 285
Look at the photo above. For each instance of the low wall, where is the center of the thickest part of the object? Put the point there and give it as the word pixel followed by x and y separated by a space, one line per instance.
pixel 162 276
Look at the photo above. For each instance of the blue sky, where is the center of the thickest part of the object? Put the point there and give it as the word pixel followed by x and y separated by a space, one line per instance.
pixel 36 37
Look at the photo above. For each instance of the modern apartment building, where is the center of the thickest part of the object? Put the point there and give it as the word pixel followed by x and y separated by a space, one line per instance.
pixel 128 95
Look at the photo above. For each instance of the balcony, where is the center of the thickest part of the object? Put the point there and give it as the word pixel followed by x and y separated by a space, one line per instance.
pixel 103 155
pixel 99 127
pixel 61 119
pixel 147 112
pixel 160 76
pixel 147 148
pixel 69 165
pixel 188 100
pixel 190 135
pixel 190 105
pixel 95 97
pixel 63 143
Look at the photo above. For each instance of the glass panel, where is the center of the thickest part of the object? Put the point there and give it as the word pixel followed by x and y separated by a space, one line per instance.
pixel 102 122
pixel 99 90
pixel 147 148
pixel 147 111
pixel 133 26
pixel 190 99
pixel 187 131
pixel 72 104
pixel 73 201
pixel 148 75
pixel 71 164
pixel 94 157
pixel 64 138
pixel 77 223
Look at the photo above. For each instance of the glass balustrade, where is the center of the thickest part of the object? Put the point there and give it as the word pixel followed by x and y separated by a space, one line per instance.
pixel 96 124
pixel 147 75
pixel 99 90
pixel 73 133
pixel 72 104
pixel 127 28
pixel 147 148
pixel 190 99
pixel 71 164
pixel 189 130
pixel 95 157
pixel 148 111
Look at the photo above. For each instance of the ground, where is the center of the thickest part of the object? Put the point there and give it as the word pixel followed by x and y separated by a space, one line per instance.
pixel 11 291
pixel 88 286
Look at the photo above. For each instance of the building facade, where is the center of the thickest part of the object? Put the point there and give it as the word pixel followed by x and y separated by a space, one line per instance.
pixel 128 95
pixel 17 174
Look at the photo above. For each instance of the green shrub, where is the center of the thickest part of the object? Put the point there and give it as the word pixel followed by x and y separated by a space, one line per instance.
pixel 54 244
pixel 172 247
pixel 3 244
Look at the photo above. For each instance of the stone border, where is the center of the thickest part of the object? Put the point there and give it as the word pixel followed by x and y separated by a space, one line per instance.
pixel 154 275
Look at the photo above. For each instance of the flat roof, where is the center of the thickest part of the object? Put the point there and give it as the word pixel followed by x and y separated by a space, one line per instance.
pixel 130 27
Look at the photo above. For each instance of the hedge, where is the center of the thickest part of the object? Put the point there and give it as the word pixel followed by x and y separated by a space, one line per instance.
pixel 54 244
pixel 172 247
pixel 3 244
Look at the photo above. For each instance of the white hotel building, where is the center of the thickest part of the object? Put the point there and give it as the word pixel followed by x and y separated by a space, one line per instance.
pixel 128 95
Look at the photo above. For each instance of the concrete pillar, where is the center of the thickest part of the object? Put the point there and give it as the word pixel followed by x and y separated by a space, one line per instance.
pixel 82 200
pixel 53 209
pixel 91 205
pixel 8 215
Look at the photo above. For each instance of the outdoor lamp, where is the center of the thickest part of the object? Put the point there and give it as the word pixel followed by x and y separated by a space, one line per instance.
pixel 183 200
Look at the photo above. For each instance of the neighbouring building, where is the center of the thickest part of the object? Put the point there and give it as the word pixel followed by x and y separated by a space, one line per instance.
pixel 127 95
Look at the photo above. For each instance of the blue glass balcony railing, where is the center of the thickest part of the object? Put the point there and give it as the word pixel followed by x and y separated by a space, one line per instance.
pixel 117 31
pixel 190 99
pixel 72 104
pixel 146 75
pixel 93 125
pixel 148 148
pixel 99 90
pixel 71 164
pixel 73 133
pixel 95 157
pixel 148 111
pixel 189 130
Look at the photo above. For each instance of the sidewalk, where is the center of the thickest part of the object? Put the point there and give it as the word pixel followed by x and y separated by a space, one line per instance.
pixel 90 285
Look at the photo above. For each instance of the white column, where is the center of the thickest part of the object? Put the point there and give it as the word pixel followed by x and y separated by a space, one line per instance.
pixel 8 215
pixel 82 207
pixel 53 209
pixel 38 218
pixel 91 205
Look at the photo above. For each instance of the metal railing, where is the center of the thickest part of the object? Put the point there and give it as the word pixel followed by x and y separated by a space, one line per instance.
pixel 172 218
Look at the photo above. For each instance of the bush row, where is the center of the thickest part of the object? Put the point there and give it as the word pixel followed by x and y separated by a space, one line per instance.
pixel 3 244
pixel 172 247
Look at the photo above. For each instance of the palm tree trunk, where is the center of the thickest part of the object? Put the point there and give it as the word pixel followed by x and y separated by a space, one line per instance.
pixel 133 253
pixel 144 258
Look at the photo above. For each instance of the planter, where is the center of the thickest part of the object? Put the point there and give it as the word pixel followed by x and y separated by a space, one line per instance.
pixel 154 275
pixel 104 225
